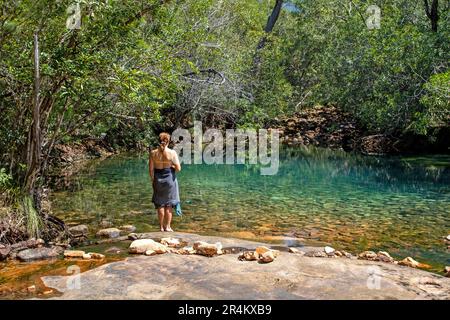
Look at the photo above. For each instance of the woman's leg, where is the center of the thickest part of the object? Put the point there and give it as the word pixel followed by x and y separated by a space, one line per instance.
pixel 168 216
pixel 160 212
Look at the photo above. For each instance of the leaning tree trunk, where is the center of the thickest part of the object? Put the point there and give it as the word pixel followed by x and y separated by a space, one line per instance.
pixel 271 21
pixel 34 136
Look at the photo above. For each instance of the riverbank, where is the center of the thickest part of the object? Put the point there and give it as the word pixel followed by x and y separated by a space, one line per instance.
pixel 330 127
pixel 299 275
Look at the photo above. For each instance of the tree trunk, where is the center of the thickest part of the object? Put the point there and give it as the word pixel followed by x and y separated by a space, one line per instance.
pixel 34 140
pixel 432 13
pixel 271 21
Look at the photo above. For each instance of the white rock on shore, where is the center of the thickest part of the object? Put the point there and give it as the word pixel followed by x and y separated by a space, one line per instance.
pixel 208 249
pixel 143 245
pixel 171 242
pixel 76 254
pixel 329 250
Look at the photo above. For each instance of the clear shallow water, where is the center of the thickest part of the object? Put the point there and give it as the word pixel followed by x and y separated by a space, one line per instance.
pixel 355 203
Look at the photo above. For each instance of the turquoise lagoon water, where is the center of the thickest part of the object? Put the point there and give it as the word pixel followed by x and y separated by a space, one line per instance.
pixel 351 202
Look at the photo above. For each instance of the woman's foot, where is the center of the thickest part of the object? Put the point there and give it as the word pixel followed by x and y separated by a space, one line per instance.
pixel 162 229
pixel 169 229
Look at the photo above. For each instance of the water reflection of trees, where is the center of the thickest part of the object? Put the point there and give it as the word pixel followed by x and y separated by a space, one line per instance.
pixel 393 173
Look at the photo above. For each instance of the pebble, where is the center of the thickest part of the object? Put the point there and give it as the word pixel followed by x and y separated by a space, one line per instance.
pixel 170 242
pixel 267 257
pixel 329 250
pixel 248 256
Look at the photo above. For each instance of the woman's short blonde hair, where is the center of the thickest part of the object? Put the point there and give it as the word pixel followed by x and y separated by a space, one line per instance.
pixel 164 136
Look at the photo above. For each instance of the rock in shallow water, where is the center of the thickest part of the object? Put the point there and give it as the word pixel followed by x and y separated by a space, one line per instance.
pixel 109 233
pixel 39 253
pixel 127 228
pixel 96 256
pixel 447 272
pixel 143 245
pixel 76 254
pixel 80 230
pixel 329 250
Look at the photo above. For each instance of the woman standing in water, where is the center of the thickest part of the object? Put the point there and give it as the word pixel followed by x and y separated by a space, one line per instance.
pixel 163 164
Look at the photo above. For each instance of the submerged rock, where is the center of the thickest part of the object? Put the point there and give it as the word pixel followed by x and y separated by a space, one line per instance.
pixel 127 228
pixel 109 233
pixel 96 256
pixel 39 253
pixel 79 230
pixel 207 249
pixel 143 245
pixel 105 223
pixel 447 272
pixel 114 250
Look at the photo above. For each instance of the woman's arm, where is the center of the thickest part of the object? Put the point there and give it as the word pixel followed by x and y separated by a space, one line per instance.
pixel 176 162
pixel 151 167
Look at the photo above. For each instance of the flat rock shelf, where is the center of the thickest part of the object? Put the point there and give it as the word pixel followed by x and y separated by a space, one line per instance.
pixel 290 276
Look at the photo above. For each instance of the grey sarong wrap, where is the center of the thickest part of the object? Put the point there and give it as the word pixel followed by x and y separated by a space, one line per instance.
pixel 165 188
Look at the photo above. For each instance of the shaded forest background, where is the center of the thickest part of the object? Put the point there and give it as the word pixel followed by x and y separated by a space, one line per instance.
pixel 135 67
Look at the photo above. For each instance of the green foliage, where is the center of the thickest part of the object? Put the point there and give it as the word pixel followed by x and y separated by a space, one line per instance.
pixel 33 220
pixel 378 74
